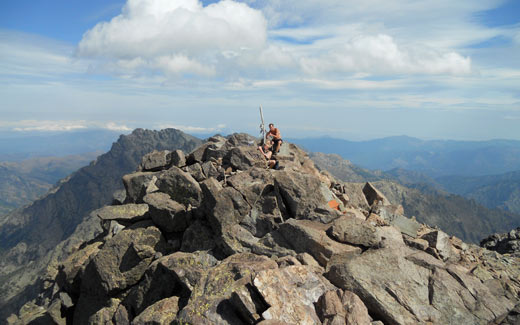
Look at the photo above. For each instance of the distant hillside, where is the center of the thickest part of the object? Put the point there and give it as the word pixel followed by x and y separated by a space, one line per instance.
pixel 434 158
pixel 493 191
pixel 452 213
pixel 27 235
pixel 23 182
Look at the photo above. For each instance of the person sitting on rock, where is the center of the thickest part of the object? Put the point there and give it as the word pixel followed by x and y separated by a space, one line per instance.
pixel 272 162
pixel 276 138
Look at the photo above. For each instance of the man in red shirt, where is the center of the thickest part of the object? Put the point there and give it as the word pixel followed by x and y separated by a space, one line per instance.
pixel 277 137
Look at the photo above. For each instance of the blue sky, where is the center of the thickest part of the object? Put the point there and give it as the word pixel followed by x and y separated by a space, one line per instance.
pixel 349 69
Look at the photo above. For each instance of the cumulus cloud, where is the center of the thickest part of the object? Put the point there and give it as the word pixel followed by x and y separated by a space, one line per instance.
pixel 380 54
pixel 181 36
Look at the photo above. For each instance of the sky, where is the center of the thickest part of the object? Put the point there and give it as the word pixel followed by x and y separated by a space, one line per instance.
pixel 347 69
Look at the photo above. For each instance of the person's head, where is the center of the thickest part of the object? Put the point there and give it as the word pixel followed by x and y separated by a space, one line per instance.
pixel 271 126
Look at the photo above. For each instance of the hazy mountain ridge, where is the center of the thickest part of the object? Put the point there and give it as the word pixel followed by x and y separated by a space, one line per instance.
pixel 24 181
pixel 30 233
pixel 453 213
pixel 434 158
pixel 494 191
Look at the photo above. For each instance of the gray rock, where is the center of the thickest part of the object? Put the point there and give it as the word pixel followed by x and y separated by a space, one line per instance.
pixel 156 160
pixel 209 170
pixel 167 214
pixel 123 259
pixel 178 159
pixel 222 206
pixel 162 312
pixel 174 274
pixel 310 237
pixel 373 195
pixel 195 170
pixel 180 186
pixel 441 242
pixel 355 232
pixel 136 185
pixel 198 237
pixel 243 158
pixel 128 213
pixel 119 197
pixel 305 197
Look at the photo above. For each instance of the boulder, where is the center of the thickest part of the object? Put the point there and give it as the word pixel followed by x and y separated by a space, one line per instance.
pixel 355 232
pixel 198 236
pixel 155 161
pixel 124 214
pixel 441 242
pixel 222 206
pixel 162 312
pixel 337 307
pixel 243 158
pixel 122 260
pixel 210 170
pixel 138 184
pixel 291 293
pixel 180 271
pixel 401 290
pixel 180 186
pixel 305 197
pixel 304 236
pixel 119 197
pixel 195 170
pixel 373 195
pixel 178 159
pixel 211 299
pixel 167 214
pixel 70 272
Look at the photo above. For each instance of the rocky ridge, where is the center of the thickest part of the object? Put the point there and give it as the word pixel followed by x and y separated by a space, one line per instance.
pixel 35 236
pixel 216 238
pixel 508 243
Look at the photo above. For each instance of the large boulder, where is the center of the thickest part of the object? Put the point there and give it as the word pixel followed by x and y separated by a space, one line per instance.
pixel 138 184
pixel 222 206
pixel 305 197
pixel 291 293
pixel 180 186
pixel 310 237
pixel 171 275
pixel 167 214
pixel 211 299
pixel 156 160
pixel 244 157
pixel 125 214
pixel 123 260
pixel 355 232
pixel 401 290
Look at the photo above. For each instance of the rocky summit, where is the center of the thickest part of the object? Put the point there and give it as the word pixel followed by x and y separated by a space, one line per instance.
pixel 214 237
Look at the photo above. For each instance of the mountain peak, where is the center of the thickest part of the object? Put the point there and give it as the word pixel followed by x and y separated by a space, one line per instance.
pixel 216 237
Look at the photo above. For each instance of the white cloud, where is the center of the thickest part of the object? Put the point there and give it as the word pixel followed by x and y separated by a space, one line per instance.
pixel 116 127
pixel 39 125
pixel 195 129
pixel 176 37
pixel 60 125
pixel 381 55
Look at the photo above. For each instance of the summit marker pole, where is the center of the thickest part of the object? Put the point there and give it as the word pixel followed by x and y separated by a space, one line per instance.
pixel 262 126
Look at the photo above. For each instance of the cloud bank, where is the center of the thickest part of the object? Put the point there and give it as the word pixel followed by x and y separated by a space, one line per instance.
pixel 253 40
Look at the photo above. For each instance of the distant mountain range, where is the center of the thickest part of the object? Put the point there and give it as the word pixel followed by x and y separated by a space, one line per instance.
pixel 24 181
pixel 453 213
pixel 434 158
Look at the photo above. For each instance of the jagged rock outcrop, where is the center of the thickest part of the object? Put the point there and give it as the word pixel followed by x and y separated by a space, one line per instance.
pixel 503 243
pixel 31 237
pixel 236 243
